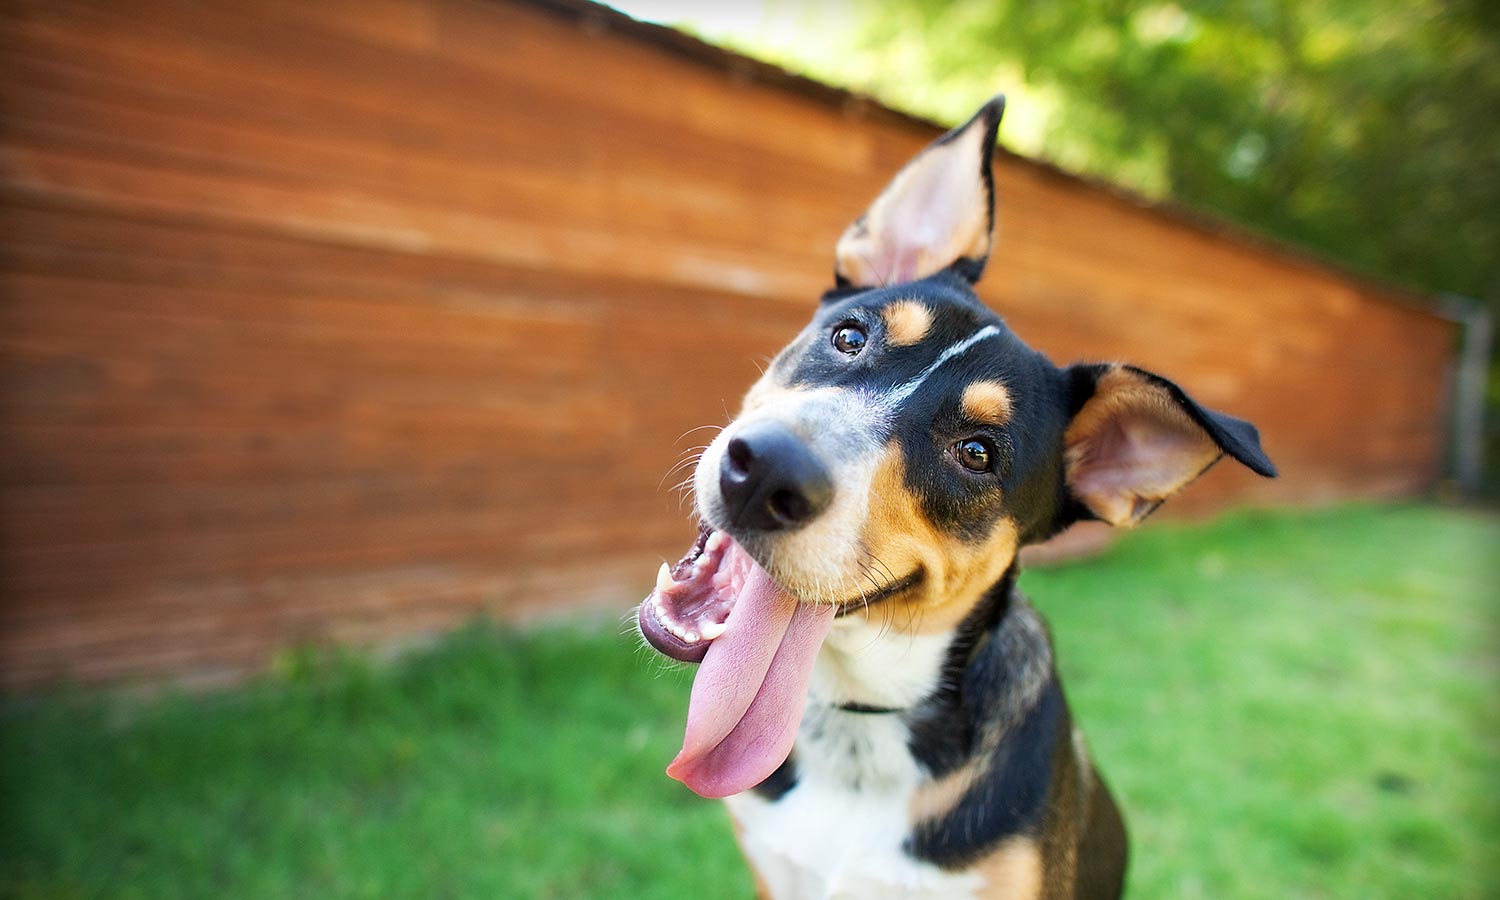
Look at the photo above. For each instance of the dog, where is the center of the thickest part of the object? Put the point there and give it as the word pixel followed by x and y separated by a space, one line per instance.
pixel 874 698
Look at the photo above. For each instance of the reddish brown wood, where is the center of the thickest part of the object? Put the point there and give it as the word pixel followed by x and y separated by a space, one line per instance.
pixel 345 321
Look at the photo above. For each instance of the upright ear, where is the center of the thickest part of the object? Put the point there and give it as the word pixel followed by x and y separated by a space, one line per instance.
pixel 1136 439
pixel 937 212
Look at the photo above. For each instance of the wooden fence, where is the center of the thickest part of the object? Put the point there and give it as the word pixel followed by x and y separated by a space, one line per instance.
pixel 346 320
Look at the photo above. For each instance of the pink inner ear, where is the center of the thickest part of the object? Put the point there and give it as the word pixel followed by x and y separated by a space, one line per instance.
pixel 933 213
pixel 1131 451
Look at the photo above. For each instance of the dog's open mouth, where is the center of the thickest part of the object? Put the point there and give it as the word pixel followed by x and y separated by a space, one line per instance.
pixel 692 600
pixel 757 645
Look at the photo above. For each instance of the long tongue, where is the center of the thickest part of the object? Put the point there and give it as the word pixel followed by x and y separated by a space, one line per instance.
pixel 750 690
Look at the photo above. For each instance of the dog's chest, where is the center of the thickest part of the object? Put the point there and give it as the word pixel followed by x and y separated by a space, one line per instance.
pixel 840 832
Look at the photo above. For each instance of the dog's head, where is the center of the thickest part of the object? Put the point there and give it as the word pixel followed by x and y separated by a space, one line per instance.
pixel 896 456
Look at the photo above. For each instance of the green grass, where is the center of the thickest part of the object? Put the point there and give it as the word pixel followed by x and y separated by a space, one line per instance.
pixel 1289 706
pixel 1295 706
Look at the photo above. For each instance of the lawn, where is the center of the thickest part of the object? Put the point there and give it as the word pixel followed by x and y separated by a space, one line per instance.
pixel 1287 705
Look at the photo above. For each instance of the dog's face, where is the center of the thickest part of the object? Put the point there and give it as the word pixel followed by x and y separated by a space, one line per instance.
pixel 898 452
pixel 892 461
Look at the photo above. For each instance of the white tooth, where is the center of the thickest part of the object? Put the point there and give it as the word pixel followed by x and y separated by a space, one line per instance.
pixel 664 578
pixel 691 637
pixel 715 541
pixel 702 562
pixel 712 630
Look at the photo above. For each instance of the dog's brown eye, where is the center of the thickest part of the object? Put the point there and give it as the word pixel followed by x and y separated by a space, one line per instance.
pixel 973 455
pixel 849 339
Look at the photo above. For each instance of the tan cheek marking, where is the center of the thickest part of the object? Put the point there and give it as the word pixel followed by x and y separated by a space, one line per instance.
pixel 1013 871
pixel 899 538
pixel 906 322
pixel 966 571
pixel 987 402
pixel 896 536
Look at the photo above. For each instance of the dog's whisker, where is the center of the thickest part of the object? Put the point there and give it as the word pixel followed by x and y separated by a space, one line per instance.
pixel 672 472
pixel 686 463
pixel 690 453
pixel 678 466
pixel 716 428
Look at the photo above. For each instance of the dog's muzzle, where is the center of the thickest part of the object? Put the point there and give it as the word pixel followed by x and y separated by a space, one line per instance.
pixel 770 480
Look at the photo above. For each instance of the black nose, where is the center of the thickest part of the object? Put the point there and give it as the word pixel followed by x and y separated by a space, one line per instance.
pixel 771 480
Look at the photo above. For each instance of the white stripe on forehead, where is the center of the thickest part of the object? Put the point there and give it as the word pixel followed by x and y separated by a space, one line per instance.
pixel 900 392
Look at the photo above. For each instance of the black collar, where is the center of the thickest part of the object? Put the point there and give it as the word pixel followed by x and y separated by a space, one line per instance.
pixel 865 708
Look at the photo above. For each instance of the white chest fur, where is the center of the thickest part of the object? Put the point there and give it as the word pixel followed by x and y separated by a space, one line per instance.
pixel 839 832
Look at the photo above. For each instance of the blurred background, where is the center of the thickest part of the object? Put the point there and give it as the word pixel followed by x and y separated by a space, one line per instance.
pixel 348 347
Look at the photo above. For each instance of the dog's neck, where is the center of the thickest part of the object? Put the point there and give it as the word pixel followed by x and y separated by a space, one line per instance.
pixel 889 709
pixel 871 664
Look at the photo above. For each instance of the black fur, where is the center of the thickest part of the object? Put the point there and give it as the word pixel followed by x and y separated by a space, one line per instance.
pixel 943 727
pixel 1011 796
pixel 781 781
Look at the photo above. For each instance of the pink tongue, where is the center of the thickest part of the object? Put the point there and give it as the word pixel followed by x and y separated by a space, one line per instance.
pixel 750 689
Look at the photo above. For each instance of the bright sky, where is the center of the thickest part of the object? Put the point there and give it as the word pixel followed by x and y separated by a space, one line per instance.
pixel 776 22
pixel 797 32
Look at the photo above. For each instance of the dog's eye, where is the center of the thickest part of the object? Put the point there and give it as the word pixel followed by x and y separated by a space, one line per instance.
pixel 849 339
pixel 973 454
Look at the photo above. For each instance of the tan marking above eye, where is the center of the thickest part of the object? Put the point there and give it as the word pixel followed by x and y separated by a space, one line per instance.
pixel 986 402
pixel 906 322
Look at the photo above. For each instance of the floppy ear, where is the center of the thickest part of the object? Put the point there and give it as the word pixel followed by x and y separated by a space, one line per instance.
pixel 1136 439
pixel 936 212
